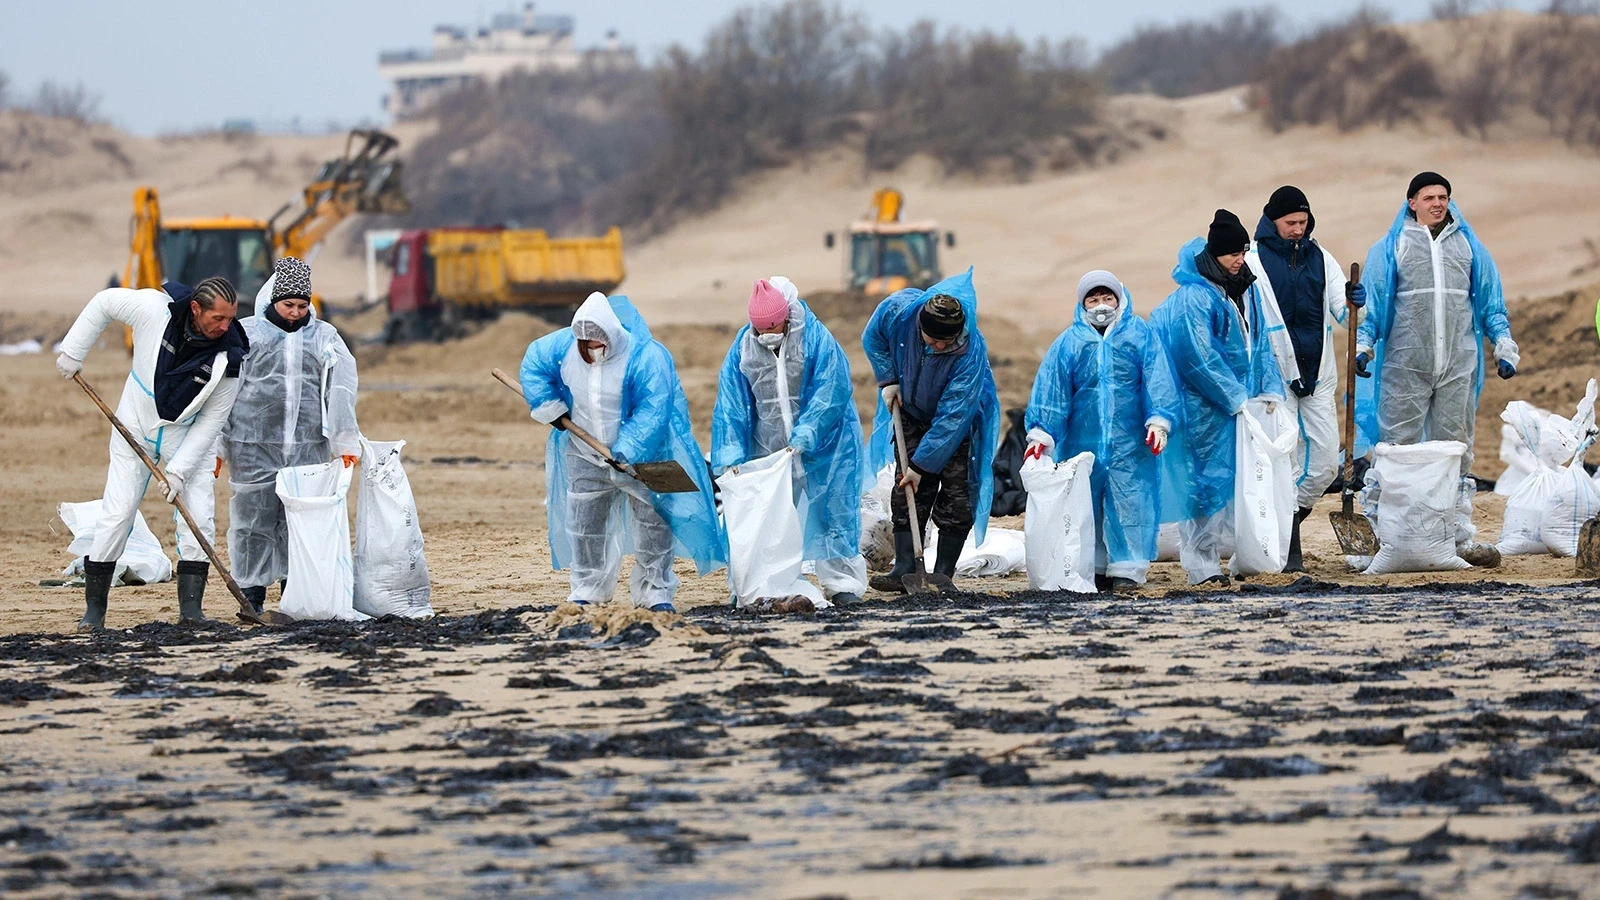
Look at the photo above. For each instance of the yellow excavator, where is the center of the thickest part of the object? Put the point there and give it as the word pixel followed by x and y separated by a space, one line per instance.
pixel 366 179
pixel 886 253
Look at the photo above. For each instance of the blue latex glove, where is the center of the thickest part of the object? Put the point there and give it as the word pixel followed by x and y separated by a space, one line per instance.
pixel 1362 361
pixel 1355 294
pixel 1507 369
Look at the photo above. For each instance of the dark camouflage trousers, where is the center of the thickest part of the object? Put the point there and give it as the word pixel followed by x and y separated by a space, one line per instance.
pixel 943 495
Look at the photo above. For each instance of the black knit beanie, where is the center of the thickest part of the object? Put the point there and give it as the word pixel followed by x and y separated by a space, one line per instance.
pixel 1286 201
pixel 1425 179
pixel 1226 235
pixel 942 318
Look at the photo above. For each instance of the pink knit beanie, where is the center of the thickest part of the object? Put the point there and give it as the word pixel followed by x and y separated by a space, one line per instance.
pixel 768 309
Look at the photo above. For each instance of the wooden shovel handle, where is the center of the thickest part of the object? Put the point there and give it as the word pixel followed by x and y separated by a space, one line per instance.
pixel 246 611
pixel 566 421
pixel 1350 393
pixel 905 466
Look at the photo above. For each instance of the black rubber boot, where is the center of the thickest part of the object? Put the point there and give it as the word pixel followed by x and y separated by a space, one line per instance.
pixel 1123 586
pixel 904 561
pixel 191 589
pixel 1295 563
pixel 1102 583
pixel 949 553
pixel 96 593
pixel 257 597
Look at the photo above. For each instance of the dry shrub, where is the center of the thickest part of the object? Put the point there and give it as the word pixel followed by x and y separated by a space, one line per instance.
pixel 1194 57
pixel 971 100
pixel 1353 73
pixel 542 149
pixel 1559 62
pixel 583 150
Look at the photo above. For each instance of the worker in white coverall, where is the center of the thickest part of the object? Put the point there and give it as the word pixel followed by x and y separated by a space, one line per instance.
pixel 187 353
pixel 785 384
pixel 1303 279
pixel 617 383
pixel 296 407
pixel 1435 298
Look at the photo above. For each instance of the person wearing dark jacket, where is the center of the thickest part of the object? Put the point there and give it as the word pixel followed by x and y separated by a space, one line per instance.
pixel 187 351
pixel 931 361
pixel 1305 282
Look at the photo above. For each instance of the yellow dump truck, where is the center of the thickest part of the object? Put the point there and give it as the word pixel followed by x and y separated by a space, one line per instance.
pixel 443 276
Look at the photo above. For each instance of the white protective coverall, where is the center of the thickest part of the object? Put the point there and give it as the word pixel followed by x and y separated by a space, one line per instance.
pixel 296 407
pixel 600 499
pixel 182 446
pixel 1431 369
pixel 1316 450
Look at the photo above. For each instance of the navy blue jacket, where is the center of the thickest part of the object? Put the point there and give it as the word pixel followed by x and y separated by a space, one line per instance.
pixel 1299 279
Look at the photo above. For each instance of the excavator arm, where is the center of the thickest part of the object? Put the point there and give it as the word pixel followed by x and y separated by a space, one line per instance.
pixel 144 259
pixel 365 180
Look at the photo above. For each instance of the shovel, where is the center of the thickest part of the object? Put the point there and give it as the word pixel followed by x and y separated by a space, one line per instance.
pixel 246 611
pixel 660 477
pixel 919 580
pixel 1353 530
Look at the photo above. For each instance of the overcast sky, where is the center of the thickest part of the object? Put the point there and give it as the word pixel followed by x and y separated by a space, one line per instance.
pixel 162 65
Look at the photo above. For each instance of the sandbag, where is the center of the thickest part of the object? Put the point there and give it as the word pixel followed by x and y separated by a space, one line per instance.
pixel 391 572
pixel 142 561
pixel 1003 552
pixel 765 539
pixel 321 581
pixel 1520 461
pixel 1416 487
pixel 1058 531
pixel 1549 504
pixel 1263 490
pixel 877 525
pixel 1573 501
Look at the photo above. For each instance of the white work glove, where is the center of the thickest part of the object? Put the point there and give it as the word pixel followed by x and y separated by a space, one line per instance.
pixel 913 478
pixel 891 395
pixel 1040 444
pixel 68 366
pixel 1505 350
pixel 1155 437
pixel 173 490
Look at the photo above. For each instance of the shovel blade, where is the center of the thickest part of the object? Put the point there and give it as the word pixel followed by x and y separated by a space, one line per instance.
pixel 1354 532
pixel 665 477
pixel 1589 549
pixel 927 583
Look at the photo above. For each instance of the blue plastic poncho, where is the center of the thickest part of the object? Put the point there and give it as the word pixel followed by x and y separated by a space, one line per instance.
pixel 750 422
pixel 968 403
pixel 1381 277
pixel 654 428
pixel 1219 365
pixel 1099 393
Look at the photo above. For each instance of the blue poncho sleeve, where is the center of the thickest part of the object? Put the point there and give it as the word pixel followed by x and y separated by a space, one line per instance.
pixel 1050 402
pixel 733 418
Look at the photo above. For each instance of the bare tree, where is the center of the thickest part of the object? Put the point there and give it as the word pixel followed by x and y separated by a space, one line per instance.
pixel 1194 57
pixel 72 102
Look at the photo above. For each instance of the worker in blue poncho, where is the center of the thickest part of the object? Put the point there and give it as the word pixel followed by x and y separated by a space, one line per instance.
pixel 1228 346
pixel 931 361
pixel 1106 387
pixel 1435 297
pixel 785 384
pixel 619 384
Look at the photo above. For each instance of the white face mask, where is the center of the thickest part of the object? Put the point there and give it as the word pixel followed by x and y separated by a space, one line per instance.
pixel 1100 316
pixel 597 355
pixel 770 341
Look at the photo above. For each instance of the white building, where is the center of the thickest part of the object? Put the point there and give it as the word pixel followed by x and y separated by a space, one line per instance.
pixel 513 41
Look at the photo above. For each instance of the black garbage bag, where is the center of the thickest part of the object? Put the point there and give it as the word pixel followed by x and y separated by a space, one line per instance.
pixel 1010 498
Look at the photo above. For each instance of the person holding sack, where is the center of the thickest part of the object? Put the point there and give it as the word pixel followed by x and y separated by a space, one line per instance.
pixel 1106 387
pixel 1228 346
pixel 785 386
pixel 296 407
